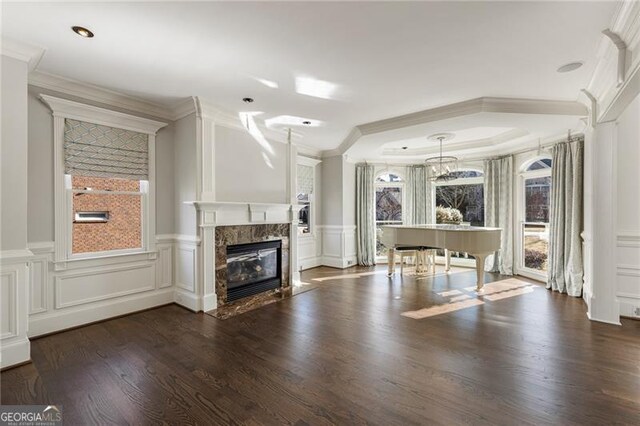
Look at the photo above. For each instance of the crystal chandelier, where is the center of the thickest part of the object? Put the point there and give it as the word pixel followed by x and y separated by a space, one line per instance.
pixel 443 167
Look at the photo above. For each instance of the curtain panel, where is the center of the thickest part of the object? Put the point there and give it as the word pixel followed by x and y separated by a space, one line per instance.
pixel 498 207
pixel 418 209
pixel 365 215
pixel 565 266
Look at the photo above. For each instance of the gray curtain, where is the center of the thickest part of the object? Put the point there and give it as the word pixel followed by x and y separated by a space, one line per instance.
pixel 365 215
pixel 565 268
pixel 498 210
pixel 418 208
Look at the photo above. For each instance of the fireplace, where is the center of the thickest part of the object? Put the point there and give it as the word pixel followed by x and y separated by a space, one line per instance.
pixel 253 268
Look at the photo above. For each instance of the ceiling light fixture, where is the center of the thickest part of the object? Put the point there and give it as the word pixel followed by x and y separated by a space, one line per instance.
pixel 572 66
pixel 306 123
pixel 82 32
pixel 247 100
pixel 442 167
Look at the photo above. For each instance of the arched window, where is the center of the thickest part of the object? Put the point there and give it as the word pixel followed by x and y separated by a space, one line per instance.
pixel 539 164
pixel 534 210
pixel 389 187
pixel 387 177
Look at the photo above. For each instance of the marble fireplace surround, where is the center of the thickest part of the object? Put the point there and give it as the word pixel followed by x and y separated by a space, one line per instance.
pixel 242 234
pixel 241 222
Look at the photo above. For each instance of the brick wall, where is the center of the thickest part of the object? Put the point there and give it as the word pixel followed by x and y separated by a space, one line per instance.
pixel 122 231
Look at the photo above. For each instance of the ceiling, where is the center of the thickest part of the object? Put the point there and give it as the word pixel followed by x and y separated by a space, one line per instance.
pixel 337 65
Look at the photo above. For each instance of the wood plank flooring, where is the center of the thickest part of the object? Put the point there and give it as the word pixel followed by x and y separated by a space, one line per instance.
pixel 344 354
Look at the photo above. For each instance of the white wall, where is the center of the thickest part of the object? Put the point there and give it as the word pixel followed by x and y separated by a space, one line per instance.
pixel 184 169
pixel 246 171
pixel 628 209
pixel 14 155
pixel 14 345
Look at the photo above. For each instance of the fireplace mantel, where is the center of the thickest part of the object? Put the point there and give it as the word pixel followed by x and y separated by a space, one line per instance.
pixel 218 213
pixel 212 214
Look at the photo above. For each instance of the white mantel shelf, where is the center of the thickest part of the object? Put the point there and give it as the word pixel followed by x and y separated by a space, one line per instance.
pixel 223 213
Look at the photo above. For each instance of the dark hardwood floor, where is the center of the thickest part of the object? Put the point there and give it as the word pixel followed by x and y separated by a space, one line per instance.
pixel 343 354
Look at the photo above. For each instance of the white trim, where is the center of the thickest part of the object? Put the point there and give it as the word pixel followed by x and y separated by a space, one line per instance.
pixel 16 352
pixel 307 161
pixel 22 52
pixel 628 239
pixel 63 109
pixel 105 96
pixel 15 256
pixel 75 110
pixel 472 106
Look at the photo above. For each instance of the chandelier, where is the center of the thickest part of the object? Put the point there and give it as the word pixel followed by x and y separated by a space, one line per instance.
pixel 443 167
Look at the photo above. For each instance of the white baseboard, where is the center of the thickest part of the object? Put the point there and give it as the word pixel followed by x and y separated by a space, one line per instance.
pixel 310 262
pixel 67 318
pixel 15 353
pixel 339 262
pixel 186 299
pixel 629 305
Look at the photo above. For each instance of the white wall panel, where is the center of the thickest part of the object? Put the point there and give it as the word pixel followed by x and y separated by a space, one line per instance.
pixel 77 288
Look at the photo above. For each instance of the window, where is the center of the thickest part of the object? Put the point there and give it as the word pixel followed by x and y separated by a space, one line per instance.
pixel 104 182
pixel 107 214
pixel 534 232
pixel 389 199
pixel 466 194
pixel 305 197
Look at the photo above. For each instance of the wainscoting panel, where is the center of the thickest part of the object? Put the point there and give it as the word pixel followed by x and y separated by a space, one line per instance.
pixel 628 273
pixel 186 267
pixel 309 250
pixel 96 289
pixel 14 345
pixel 38 285
pixel 165 265
pixel 79 288
pixel 9 298
pixel 338 246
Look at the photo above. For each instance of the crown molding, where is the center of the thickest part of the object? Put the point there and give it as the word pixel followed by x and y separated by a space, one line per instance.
pixel 604 84
pixel 501 138
pixel 78 111
pixel 183 108
pixel 472 106
pixel 22 52
pixel 98 94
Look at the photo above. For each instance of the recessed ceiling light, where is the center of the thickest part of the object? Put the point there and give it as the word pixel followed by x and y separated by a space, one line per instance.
pixel 247 100
pixel 570 67
pixel 82 32
pixel 306 123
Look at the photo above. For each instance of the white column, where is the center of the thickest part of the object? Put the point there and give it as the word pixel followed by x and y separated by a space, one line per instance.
pixel 600 164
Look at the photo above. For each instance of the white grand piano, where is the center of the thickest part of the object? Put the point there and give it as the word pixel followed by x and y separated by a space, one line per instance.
pixel 478 242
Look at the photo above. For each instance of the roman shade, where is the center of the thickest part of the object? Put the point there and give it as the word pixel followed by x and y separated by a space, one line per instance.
pixel 305 179
pixel 102 151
